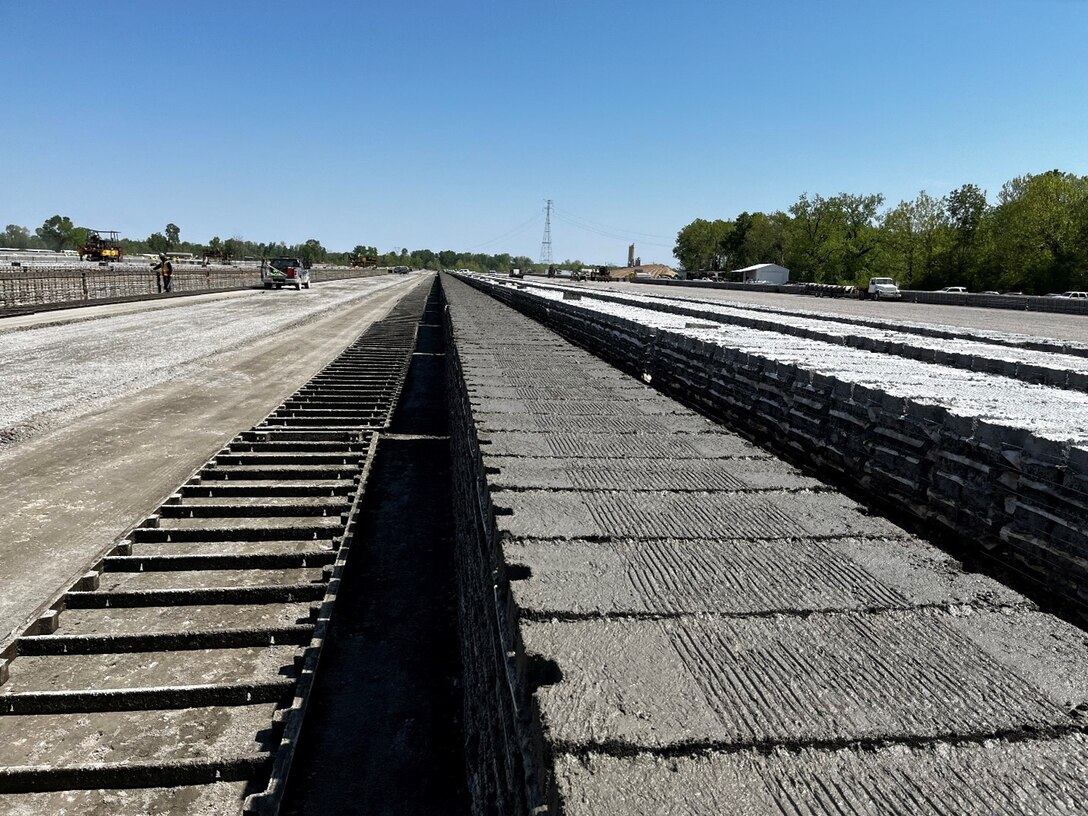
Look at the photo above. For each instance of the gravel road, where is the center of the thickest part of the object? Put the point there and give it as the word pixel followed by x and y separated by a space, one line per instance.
pixel 52 372
pixel 109 410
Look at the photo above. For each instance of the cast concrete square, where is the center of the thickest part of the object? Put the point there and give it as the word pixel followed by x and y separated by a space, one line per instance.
pixel 997 778
pixel 751 516
pixel 785 679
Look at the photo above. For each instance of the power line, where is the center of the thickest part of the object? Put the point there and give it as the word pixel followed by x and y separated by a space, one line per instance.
pixel 518 229
pixel 605 234
pixel 599 225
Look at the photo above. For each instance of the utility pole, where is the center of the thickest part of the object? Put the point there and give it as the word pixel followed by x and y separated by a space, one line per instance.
pixel 546 244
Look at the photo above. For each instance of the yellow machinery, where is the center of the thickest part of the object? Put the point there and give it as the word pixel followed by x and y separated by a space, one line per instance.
pixel 104 245
pixel 362 260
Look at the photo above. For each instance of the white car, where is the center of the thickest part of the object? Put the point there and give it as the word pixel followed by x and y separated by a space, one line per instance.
pixel 954 290
pixel 1074 295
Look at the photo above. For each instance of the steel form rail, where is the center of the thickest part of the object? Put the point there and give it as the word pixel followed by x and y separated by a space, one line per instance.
pixel 185 656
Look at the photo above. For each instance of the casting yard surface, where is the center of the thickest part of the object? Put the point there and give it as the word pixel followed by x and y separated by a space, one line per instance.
pixel 185 656
pixel 698 628
pixel 1047 412
pixel 1043 324
pixel 1032 359
pixel 107 411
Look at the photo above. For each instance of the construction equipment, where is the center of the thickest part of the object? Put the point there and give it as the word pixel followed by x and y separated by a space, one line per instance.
pixel 101 245
pixel 357 259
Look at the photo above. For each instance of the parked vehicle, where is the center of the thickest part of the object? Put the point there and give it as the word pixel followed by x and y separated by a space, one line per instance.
pixel 881 289
pixel 280 272
pixel 955 290
pixel 400 270
pixel 1074 295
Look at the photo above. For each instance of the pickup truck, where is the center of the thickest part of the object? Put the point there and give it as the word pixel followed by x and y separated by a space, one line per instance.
pixel 280 272
pixel 881 289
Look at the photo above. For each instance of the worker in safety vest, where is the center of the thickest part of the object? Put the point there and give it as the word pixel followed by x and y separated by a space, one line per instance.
pixel 166 269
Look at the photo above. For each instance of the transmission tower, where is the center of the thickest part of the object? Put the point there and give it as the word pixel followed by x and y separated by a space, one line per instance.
pixel 546 244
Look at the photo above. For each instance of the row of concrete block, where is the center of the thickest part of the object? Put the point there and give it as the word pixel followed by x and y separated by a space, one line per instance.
pixel 495 713
pixel 998 363
pixel 1019 497
pixel 1026 303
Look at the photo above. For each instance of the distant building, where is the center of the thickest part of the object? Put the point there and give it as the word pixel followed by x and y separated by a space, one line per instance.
pixel 766 273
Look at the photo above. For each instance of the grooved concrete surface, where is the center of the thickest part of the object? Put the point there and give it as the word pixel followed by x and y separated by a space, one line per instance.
pixel 695 628
pixel 991 448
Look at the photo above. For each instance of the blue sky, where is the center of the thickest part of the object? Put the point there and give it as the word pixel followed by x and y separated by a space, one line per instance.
pixel 445 124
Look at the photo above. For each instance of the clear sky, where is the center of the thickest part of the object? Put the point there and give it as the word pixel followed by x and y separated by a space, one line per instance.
pixel 445 125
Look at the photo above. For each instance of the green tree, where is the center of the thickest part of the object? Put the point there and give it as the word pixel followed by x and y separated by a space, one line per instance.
pixel 702 245
pixel 831 239
pixel 424 258
pixel 157 242
pixel 312 251
pixel 735 242
pixel 173 235
pixel 56 232
pixel 15 237
pixel 912 236
pixel 1040 232
pixel 79 236
pixel 765 238
pixel 966 210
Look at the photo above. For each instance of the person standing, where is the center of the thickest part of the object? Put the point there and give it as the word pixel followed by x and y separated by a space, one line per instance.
pixel 166 272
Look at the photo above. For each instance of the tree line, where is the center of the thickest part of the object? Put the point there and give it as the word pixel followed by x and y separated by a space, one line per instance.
pixel 1033 238
pixel 58 233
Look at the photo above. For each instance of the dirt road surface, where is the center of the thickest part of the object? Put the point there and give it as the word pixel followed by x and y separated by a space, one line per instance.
pixel 108 410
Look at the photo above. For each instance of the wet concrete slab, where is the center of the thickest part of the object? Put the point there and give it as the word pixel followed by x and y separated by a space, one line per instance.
pixel 997 778
pixel 698 629
pixel 788 680
pixel 751 516
pixel 740 577
pixel 562 423
pixel 617 446
pixel 639 473
pixel 579 407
